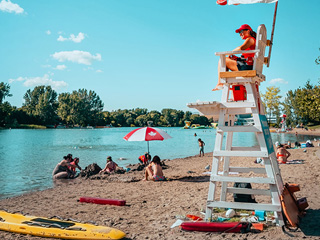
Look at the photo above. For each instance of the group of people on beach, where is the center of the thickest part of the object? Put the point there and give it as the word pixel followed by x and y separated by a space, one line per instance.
pixel 66 168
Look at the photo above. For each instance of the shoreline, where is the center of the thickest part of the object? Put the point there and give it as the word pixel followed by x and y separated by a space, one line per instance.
pixel 152 207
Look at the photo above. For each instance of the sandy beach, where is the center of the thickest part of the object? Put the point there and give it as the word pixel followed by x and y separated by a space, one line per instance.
pixel 152 207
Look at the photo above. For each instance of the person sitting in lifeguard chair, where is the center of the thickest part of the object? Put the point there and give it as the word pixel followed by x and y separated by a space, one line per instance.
pixel 245 62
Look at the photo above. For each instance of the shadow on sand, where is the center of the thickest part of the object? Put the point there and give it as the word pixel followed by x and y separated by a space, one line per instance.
pixel 309 224
pixel 191 179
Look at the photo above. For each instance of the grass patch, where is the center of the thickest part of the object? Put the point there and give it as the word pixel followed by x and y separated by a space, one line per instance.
pixel 314 127
pixel 26 126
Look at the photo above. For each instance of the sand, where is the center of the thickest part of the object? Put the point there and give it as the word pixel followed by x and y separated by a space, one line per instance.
pixel 152 207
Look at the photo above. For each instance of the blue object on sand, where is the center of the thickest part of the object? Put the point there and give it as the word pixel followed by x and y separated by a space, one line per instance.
pixel 260 214
pixel 222 219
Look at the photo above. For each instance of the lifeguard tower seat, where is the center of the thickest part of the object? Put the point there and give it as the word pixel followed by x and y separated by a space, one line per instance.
pixel 265 179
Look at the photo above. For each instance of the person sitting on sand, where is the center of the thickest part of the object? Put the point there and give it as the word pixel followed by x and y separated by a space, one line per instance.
pixel 154 171
pixel 282 154
pixel 110 167
pixel 74 164
pixel 145 159
pixel 61 171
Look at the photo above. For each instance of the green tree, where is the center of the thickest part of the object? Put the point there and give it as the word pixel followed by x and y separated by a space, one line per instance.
pixel 271 101
pixel 41 103
pixel 154 116
pixel 81 107
pixel 141 121
pixel 4 91
pixel 5 107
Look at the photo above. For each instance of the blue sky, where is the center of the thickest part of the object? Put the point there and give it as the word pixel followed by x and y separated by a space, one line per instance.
pixel 150 54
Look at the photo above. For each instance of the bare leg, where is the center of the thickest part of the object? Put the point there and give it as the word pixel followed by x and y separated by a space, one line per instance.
pixel 61 175
pixel 230 64
pixel 148 174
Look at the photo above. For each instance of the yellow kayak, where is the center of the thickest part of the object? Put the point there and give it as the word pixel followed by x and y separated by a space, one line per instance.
pixel 55 227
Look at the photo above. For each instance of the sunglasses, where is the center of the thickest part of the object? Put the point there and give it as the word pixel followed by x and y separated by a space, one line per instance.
pixel 241 31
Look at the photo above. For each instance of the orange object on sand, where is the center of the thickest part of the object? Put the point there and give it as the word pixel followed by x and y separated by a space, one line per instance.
pixel 293 187
pixel 194 217
pixel 289 206
pixel 257 226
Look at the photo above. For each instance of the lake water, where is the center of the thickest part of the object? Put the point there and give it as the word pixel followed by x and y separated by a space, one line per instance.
pixel 28 157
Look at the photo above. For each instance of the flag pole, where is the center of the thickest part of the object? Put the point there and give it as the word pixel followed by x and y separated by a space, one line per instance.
pixel 272 32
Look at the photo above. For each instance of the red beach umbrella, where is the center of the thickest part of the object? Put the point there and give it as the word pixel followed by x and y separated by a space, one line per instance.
pixel 147 134
pixel 222 2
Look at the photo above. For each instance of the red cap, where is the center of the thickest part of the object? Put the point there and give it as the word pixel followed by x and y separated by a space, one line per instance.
pixel 243 27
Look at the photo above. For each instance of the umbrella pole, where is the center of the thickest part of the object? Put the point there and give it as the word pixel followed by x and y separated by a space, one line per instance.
pixel 148 146
pixel 272 32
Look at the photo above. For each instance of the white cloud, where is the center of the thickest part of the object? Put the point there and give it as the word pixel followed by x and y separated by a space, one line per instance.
pixel 78 38
pixel 48 32
pixel 76 56
pixel 99 71
pixel 61 67
pixel 36 81
pixel 8 6
pixel 61 39
pixel 19 79
pixel 278 80
pixel 73 38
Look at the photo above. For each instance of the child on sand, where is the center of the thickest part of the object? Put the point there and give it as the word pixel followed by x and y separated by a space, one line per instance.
pixel 144 159
pixel 154 171
pixel 74 164
pixel 110 166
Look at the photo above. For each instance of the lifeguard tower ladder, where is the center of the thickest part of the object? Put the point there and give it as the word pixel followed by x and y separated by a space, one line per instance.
pixel 240 95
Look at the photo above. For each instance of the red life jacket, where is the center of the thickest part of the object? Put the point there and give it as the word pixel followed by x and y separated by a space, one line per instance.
pixel 143 158
pixel 249 56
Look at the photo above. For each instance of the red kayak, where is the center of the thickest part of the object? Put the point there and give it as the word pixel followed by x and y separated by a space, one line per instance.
pixel 103 201
pixel 229 227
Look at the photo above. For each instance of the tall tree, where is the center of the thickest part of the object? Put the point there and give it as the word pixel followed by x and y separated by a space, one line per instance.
pixel 41 103
pixel 82 107
pixel 4 91
pixel 271 101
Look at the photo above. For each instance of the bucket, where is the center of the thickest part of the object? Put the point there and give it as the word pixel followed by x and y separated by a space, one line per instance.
pixel 239 93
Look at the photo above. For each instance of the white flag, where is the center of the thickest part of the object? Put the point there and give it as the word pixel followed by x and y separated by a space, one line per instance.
pixel 231 2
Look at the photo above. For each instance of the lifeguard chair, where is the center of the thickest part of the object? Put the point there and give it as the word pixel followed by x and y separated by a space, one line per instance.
pixel 240 95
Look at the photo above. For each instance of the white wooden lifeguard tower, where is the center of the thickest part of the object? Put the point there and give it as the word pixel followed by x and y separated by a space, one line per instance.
pixel 240 95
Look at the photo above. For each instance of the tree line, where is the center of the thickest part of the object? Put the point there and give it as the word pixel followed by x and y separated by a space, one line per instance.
pixel 301 105
pixel 43 106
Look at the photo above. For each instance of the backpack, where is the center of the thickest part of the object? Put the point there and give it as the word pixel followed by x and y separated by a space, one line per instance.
pixel 243 197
